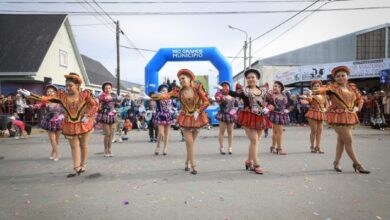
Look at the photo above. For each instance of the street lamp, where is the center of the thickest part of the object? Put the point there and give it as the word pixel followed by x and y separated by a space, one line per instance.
pixel 245 45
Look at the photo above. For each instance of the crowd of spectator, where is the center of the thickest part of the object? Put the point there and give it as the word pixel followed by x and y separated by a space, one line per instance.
pixel 135 111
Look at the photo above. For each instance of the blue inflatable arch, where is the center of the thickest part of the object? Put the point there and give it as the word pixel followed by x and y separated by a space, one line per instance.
pixel 185 54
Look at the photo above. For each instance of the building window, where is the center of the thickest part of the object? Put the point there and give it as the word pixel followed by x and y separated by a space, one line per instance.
pixel 371 45
pixel 63 58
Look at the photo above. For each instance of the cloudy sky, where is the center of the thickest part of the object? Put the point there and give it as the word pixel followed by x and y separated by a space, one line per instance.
pixel 96 38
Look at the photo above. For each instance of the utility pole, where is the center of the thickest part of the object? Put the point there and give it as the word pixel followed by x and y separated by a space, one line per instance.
pixel 250 53
pixel 118 76
pixel 245 46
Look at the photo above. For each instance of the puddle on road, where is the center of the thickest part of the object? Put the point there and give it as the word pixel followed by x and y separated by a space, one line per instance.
pixel 372 136
pixel 1 158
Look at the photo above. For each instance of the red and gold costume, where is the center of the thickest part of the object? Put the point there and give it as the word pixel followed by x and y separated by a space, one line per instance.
pixel 343 102
pixel 192 100
pixel 74 110
pixel 317 108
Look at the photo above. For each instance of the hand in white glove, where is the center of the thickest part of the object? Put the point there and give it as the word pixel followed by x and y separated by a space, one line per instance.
pixel 61 117
pixel 24 92
pixel 119 97
pixel 85 119
pixel 308 90
pixel 145 97
pixel 286 111
pixel 196 115
pixel 355 109
pixel 265 110
pixel 218 87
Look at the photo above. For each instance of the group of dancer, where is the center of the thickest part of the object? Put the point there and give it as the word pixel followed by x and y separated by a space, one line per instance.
pixel 73 112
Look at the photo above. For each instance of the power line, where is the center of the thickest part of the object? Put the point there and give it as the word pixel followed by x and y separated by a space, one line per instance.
pixel 80 13
pixel 102 20
pixel 136 48
pixel 296 24
pixel 104 11
pixel 285 21
pixel 171 2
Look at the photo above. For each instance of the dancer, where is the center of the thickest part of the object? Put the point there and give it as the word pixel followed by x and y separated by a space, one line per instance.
pixel 52 120
pixel 164 118
pixel 316 116
pixel 80 109
pixel 226 115
pixel 193 101
pixel 278 116
pixel 345 101
pixel 253 116
pixel 106 115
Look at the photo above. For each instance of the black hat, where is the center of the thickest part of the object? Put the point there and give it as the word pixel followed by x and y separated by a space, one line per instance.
pixel 225 82
pixel 280 84
pixel 255 71
pixel 51 86
pixel 106 83
pixel 162 86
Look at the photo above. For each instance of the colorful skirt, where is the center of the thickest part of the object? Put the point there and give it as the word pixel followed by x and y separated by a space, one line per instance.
pixel 78 128
pixel 226 117
pixel 316 115
pixel 253 121
pixel 342 118
pixel 164 118
pixel 105 118
pixel 51 125
pixel 188 121
pixel 279 118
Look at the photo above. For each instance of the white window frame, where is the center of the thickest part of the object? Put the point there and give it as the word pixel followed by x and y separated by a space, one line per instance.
pixel 63 58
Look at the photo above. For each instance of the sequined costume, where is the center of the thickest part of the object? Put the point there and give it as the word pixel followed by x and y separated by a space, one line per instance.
pixel 227 104
pixel 252 115
pixel 53 116
pixel 317 108
pixel 165 113
pixel 106 113
pixel 192 100
pixel 343 101
pixel 278 115
pixel 74 110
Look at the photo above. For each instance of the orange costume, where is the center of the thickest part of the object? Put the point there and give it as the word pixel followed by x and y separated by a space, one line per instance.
pixel 343 101
pixel 192 100
pixel 74 110
pixel 317 108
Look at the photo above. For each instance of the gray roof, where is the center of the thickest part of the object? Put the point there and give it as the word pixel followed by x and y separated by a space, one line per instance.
pixel 25 39
pixel 98 74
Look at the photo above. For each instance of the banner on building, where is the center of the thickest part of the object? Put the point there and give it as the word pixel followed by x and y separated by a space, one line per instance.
pixel 359 69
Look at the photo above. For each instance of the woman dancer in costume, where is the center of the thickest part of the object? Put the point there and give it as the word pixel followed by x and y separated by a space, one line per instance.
pixel 192 117
pixel 226 115
pixel 164 118
pixel 80 109
pixel 52 121
pixel 253 116
pixel 345 101
pixel 316 116
pixel 278 115
pixel 106 115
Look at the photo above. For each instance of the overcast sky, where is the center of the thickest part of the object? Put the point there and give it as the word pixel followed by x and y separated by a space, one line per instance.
pixel 158 31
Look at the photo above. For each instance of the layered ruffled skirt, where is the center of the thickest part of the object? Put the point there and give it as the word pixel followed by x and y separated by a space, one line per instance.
pixel 250 120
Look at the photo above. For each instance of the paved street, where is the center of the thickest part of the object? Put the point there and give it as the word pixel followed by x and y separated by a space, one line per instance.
pixel 135 184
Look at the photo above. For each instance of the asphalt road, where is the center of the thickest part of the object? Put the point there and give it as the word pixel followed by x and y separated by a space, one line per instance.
pixel 135 184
